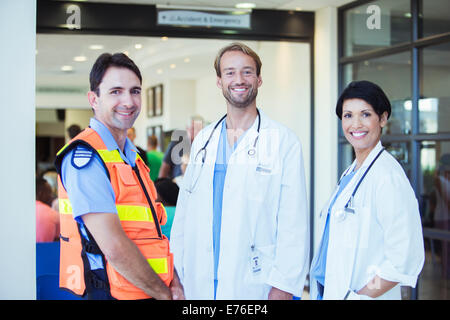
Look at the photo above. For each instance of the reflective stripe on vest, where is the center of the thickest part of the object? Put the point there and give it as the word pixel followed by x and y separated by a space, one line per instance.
pixel 125 212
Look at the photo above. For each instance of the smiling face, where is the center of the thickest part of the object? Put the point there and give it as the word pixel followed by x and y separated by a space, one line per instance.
pixel 238 81
pixel 119 101
pixel 361 126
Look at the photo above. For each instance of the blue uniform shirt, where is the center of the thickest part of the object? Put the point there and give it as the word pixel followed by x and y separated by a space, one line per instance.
pixel 224 152
pixel 88 187
pixel 318 272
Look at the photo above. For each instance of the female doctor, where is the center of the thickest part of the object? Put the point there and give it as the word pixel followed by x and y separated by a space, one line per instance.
pixel 371 229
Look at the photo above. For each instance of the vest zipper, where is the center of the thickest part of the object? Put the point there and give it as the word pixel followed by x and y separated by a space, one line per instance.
pixel 152 209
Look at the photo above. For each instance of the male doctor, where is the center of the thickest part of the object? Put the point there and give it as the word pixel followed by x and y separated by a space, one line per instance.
pixel 241 227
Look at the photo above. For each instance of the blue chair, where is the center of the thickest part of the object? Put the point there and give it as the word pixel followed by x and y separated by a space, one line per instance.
pixel 47 273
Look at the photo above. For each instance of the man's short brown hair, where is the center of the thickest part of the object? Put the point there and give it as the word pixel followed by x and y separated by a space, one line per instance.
pixel 237 46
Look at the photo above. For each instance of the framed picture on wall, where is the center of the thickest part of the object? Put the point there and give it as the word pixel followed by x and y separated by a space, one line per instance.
pixel 150 102
pixel 158 94
pixel 158 132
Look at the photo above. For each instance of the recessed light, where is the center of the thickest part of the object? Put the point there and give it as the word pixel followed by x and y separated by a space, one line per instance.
pixel 79 58
pixel 164 38
pixel 138 46
pixel 96 47
pixel 298 9
pixel 126 53
pixel 159 71
pixel 187 60
pixel 245 5
pixel 66 68
pixel 173 66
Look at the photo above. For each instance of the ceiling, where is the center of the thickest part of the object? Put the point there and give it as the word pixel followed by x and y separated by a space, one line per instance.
pixel 306 5
pixel 159 59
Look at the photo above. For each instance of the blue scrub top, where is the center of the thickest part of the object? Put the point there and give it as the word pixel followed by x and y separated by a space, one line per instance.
pixel 318 272
pixel 88 187
pixel 224 152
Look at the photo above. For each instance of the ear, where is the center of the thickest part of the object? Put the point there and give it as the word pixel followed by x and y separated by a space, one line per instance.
pixel 219 82
pixel 259 81
pixel 93 99
pixel 383 119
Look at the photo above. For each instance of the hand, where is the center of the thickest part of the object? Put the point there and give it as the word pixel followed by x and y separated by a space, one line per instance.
pixel 177 288
pixel 277 294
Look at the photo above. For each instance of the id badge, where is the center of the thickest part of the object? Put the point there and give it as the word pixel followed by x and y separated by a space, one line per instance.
pixel 255 263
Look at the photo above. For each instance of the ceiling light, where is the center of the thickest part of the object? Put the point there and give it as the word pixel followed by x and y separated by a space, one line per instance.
pixel 159 71
pixel 96 47
pixel 126 53
pixel 245 5
pixel 79 58
pixel 298 9
pixel 187 60
pixel 138 46
pixel 173 66
pixel 164 38
pixel 66 68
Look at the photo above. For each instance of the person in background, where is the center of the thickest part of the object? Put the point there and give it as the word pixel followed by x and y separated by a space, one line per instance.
pixel 173 164
pixel 371 232
pixel 47 219
pixel 154 157
pixel 131 134
pixel 167 191
pixel 73 131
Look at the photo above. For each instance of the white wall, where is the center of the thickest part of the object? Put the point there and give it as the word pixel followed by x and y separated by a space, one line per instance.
pixel 285 93
pixel 17 194
pixel 325 97
pixel 80 117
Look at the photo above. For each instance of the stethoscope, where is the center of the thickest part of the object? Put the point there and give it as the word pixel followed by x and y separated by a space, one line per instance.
pixel 341 214
pixel 251 152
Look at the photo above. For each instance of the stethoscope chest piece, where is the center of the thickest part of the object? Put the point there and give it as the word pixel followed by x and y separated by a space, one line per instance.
pixel 251 152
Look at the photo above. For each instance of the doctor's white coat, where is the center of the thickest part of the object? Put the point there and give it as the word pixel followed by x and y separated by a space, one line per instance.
pixel 264 204
pixel 384 236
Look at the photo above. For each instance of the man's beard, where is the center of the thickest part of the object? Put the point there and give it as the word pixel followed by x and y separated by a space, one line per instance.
pixel 243 103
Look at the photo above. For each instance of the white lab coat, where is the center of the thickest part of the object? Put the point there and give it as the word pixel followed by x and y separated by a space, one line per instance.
pixel 264 203
pixel 384 236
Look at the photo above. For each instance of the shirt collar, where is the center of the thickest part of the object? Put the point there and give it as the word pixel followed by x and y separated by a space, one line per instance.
pixel 129 154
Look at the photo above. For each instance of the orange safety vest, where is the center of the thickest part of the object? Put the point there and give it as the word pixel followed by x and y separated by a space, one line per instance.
pixel 139 215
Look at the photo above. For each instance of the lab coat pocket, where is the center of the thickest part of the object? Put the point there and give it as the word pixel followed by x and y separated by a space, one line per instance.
pixel 258 182
pixel 354 230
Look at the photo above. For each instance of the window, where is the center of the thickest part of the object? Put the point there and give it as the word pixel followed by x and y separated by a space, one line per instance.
pixel 363 32
pixel 434 103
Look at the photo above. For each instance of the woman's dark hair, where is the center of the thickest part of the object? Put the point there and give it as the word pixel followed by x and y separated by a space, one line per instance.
pixel 167 191
pixel 106 60
pixel 367 91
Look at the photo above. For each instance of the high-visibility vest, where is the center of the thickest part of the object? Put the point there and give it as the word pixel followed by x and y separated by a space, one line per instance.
pixel 140 217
